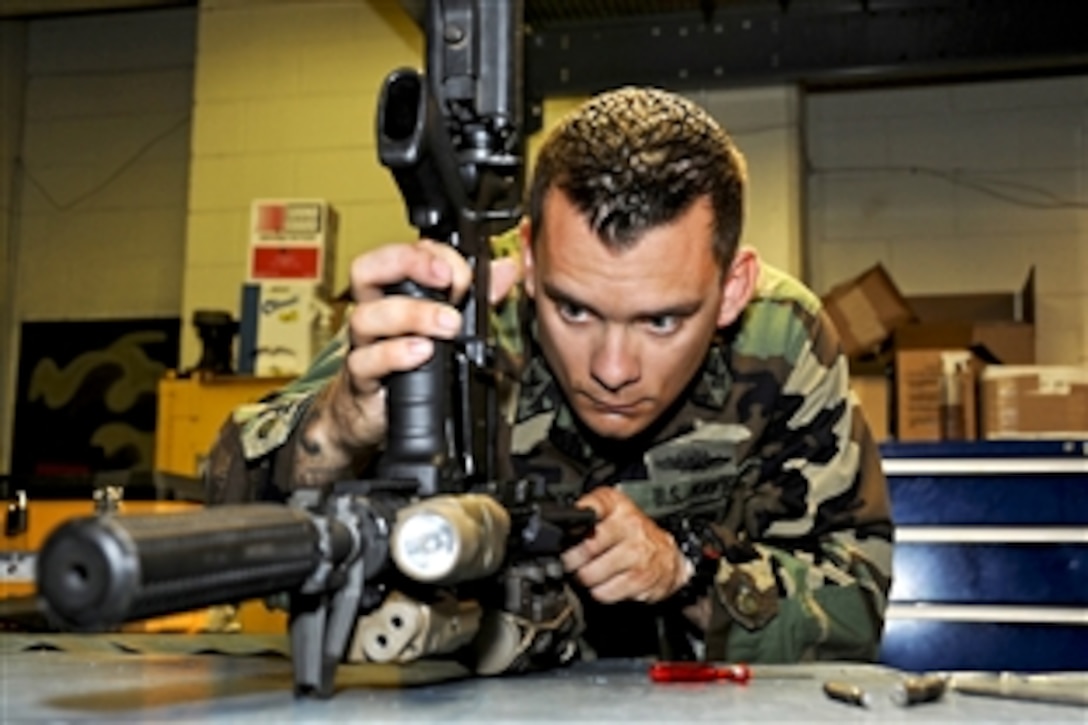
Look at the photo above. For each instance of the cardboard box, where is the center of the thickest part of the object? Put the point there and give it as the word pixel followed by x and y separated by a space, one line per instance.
pixel 870 313
pixel 1006 342
pixel 866 310
pixel 987 328
pixel 873 393
pixel 292 240
pixel 877 322
pixel 920 348
pixel 932 402
pixel 284 325
pixel 1034 401
pixel 979 306
pixel 999 326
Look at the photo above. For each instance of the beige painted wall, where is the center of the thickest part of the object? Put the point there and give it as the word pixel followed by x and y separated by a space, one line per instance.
pixel 958 188
pixel 284 106
pixel 765 125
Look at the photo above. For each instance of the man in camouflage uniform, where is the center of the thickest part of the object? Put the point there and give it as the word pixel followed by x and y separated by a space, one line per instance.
pixel 695 398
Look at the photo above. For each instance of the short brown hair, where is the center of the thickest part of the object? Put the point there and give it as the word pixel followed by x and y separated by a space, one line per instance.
pixel 635 158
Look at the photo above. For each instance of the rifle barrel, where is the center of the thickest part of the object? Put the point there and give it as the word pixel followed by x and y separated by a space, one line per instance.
pixel 98 572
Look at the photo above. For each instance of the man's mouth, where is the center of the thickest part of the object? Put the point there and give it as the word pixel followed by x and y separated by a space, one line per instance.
pixel 612 408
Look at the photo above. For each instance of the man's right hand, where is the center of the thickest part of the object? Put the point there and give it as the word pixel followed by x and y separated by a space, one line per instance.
pixel 393 333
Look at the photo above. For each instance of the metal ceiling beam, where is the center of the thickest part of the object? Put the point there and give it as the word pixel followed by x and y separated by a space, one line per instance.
pixel 43 8
pixel 812 42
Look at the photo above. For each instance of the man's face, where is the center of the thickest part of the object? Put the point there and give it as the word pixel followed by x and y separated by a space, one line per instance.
pixel 624 331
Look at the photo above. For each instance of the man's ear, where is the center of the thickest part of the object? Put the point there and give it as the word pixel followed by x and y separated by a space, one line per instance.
pixel 739 285
pixel 525 230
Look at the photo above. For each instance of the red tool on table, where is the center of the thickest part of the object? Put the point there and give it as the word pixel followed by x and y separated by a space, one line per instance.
pixel 699 672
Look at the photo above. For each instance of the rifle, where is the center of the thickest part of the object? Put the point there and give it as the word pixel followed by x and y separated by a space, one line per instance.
pixel 436 554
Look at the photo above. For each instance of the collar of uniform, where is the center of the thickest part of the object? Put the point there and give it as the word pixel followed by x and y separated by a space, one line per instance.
pixel 713 381
pixel 539 394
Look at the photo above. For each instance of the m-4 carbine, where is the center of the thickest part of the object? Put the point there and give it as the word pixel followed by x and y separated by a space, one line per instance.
pixel 436 554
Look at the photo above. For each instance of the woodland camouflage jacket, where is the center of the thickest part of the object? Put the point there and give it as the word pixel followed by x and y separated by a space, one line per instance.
pixel 766 463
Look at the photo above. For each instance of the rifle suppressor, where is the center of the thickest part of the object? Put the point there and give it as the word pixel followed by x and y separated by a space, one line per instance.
pixel 99 572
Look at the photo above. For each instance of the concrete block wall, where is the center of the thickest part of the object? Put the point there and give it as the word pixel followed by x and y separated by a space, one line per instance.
pixel 105 165
pixel 284 106
pixel 765 124
pixel 96 140
pixel 958 188
pixel 12 83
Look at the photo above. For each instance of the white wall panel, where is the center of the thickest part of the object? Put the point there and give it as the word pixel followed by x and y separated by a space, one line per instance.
pixel 981 182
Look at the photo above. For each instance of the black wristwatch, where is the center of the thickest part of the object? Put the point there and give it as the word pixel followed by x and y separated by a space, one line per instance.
pixel 704 559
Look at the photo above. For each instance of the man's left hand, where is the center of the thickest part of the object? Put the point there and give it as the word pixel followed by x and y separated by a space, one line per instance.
pixel 628 557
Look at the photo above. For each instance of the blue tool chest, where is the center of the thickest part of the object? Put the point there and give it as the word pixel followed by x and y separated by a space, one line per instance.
pixel 991 556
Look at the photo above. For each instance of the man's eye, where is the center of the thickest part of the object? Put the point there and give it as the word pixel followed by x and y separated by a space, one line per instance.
pixel 572 312
pixel 663 324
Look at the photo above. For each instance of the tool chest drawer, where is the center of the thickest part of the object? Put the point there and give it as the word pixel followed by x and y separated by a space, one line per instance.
pixel 991 556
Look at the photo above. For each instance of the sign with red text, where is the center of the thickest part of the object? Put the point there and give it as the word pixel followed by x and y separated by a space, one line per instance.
pixel 291 239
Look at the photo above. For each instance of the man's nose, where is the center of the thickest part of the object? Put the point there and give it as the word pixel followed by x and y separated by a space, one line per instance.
pixel 615 362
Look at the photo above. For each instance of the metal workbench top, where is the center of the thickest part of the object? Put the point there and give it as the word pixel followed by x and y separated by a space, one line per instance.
pixel 242 678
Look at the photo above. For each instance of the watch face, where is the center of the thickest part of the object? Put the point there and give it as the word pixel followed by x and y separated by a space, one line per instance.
pixel 703 556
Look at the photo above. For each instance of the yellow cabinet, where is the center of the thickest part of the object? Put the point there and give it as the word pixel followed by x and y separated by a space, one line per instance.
pixel 191 411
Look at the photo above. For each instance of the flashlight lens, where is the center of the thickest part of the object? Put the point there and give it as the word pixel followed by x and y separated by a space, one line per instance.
pixel 426 546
